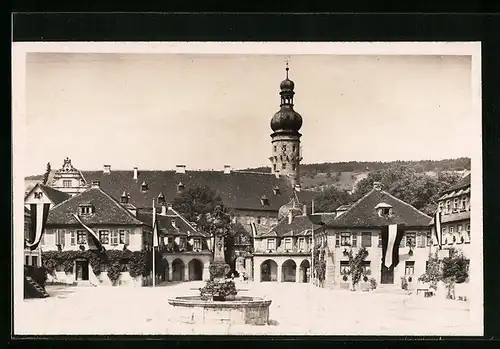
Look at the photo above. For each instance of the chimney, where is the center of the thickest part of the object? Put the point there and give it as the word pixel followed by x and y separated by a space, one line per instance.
pixel 144 187
pixel 135 172
pixel 169 205
pixel 161 199
pixel 124 198
pixel 304 210
pixel 163 210
pixel 290 217
pixel 377 185
pixel 95 184
pixel 227 169
pixel 297 187
pixel 107 169
pixel 180 169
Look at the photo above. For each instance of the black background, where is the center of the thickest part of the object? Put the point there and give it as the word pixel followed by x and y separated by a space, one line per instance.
pixel 301 27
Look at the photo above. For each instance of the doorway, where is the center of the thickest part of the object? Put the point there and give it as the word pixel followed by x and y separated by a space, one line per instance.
pixel 387 275
pixel 82 270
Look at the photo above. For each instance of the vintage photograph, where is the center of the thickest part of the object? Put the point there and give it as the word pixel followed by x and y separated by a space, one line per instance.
pixel 247 189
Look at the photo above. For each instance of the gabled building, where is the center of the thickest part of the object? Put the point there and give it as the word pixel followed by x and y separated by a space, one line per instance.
pixel 39 194
pixel 117 228
pixel 186 251
pixel 454 205
pixel 283 252
pixel 362 225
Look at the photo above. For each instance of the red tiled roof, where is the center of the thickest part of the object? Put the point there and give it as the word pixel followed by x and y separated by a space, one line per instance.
pixel 463 183
pixel 54 195
pixel 363 213
pixel 238 189
pixel 173 223
pixel 300 226
pixel 108 211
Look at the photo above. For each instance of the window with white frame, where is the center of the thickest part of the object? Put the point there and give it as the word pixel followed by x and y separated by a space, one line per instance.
pixel 460 232
pixel 197 244
pixel 448 206
pixel 409 267
pixel 124 237
pixel 467 236
pixel 354 240
pixel 60 235
pixel 104 237
pixel 337 239
pixel 182 242
pixel 344 267
pixel 411 238
pixel 440 207
pixel 366 239
pixel 429 238
pixel 114 238
pixel 421 240
pixel 81 237
pixel 310 241
pixel 271 244
pixel 288 244
pixel 455 204
pixel 67 183
pixel 72 240
pixel 380 239
pixel 301 243
pixel 464 203
pixel 450 235
pixel 345 239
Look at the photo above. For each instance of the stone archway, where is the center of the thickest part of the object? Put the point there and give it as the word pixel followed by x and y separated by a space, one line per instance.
pixel 166 267
pixel 195 268
pixel 288 271
pixel 268 271
pixel 305 268
pixel 178 270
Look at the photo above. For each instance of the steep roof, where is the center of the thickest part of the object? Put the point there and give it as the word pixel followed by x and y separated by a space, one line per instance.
pixel 238 189
pixel 462 183
pixel 300 226
pixel 363 213
pixel 108 211
pixel 54 195
pixel 173 223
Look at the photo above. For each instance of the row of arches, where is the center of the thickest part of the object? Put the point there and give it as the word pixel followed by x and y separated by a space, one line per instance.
pixel 269 271
pixel 178 272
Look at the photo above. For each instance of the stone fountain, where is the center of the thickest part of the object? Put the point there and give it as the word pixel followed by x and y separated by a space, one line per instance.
pixel 218 302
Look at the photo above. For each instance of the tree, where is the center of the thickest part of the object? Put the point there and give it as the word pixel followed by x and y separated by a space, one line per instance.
pixel 433 272
pixel 455 267
pixel 356 265
pixel 330 199
pixel 46 174
pixel 203 206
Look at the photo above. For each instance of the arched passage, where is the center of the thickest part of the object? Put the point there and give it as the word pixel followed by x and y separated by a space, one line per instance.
pixel 165 265
pixel 269 271
pixel 304 271
pixel 178 270
pixel 195 267
pixel 288 270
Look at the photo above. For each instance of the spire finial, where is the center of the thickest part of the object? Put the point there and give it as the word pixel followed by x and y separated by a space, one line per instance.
pixel 287 69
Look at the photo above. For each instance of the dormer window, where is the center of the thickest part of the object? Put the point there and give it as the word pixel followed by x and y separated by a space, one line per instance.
pixel 144 186
pixel 86 209
pixel 264 200
pixel 383 209
pixel 464 203
pixel 276 190
pixel 180 187
pixel 38 195
pixel 161 198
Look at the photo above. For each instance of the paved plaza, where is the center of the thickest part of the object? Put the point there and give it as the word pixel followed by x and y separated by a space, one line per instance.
pixel 296 309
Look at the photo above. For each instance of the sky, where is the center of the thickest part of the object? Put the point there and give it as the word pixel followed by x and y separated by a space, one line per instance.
pixel 155 111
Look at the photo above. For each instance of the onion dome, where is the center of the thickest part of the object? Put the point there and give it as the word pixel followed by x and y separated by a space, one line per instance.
pixel 286 118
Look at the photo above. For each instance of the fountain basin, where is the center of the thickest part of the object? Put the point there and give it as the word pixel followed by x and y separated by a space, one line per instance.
pixel 241 310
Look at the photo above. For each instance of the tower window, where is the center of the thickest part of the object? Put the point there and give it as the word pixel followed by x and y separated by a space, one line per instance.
pixel 274 148
pixel 293 167
pixel 293 148
pixel 274 167
pixel 283 166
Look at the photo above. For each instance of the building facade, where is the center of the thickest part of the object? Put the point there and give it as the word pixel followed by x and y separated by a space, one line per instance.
pixel 454 206
pixel 362 225
pixel 283 253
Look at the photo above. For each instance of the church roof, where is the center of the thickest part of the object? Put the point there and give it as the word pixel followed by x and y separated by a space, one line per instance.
pixel 238 189
pixel 107 211
pixel 363 213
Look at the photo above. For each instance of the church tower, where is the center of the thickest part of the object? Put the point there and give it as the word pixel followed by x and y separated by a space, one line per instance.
pixel 285 139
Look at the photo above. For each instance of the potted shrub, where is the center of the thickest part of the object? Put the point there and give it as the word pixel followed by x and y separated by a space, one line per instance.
pixel 373 283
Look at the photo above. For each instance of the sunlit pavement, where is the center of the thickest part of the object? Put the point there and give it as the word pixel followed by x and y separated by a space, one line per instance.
pixel 299 309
